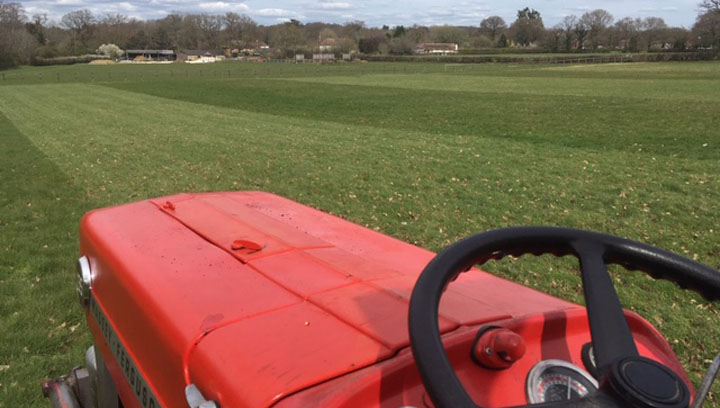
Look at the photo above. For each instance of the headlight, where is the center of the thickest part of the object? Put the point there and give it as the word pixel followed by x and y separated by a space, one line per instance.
pixel 84 280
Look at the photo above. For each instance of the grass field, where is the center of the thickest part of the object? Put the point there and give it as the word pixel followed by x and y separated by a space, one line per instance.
pixel 426 153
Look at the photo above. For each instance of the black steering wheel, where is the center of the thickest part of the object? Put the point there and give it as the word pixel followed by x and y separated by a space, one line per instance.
pixel 631 380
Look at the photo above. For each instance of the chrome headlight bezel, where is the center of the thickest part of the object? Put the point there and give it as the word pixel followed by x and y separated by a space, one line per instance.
pixel 84 280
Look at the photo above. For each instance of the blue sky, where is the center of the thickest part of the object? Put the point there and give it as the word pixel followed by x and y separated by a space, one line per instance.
pixel 375 12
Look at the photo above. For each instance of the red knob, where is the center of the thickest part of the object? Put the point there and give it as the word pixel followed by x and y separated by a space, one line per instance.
pixel 499 348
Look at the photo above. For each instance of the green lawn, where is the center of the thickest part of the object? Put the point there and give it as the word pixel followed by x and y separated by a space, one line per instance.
pixel 427 153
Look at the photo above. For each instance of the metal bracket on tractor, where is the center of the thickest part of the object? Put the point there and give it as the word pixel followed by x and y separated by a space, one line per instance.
pixel 77 388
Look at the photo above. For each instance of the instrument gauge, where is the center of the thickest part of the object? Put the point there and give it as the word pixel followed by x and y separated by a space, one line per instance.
pixel 558 380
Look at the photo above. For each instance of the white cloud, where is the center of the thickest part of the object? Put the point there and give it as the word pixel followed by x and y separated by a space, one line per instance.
pixel 223 6
pixel 273 12
pixel 177 3
pixel 126 6
pixel 32 10
pixel 70 3
pixel 335 5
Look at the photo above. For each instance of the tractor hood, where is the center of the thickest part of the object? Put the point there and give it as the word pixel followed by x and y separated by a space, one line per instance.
pixel 253 297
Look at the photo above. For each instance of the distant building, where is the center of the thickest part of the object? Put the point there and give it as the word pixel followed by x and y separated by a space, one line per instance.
pixel 327 45
pixel 201 56
pixel 150 55
pixel 437 48
pixel 323 57
pixel 256 48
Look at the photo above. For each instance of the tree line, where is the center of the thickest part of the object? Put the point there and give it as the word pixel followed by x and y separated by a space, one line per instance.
pixel 24 38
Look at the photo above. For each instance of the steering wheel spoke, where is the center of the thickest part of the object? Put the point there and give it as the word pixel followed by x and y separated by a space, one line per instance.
pixel 609 329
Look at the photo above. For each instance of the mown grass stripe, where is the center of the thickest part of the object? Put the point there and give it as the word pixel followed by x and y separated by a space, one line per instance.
pixel 42 329
pixel 597 122
pixel 643 90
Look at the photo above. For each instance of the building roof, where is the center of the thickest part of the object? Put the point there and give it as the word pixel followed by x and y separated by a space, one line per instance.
pixel 203 52
pixel 439 46
pixel 161 52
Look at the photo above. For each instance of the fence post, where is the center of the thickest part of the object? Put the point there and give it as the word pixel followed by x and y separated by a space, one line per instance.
pixel 57 74
pixel 3 75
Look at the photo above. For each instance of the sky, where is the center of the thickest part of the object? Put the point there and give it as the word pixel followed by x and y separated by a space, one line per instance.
pixel 374 13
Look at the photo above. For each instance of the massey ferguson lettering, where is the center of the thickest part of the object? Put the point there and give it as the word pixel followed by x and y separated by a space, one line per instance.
pixel 132 374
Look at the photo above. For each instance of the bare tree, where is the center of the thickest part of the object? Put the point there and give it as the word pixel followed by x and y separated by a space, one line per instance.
pixel 553 39
pixel 36 27
pixel 114 19
pixel 288 39
pixel 653 27
pixel 210 26
pixel 596 22
pixel 353 29
pixel 16 43
pixel 418 34
pixel 402 45
pixel 707 30
pixel 492 27
pixel 173 26
pixel 628 32
pixel 239 28
pixel 232 27
pixel 12 14
pixel 327 33
pixel 115 28
pixel 78 20
pixel 711 5
pixel 190 36
pixel 12 18
pixel 233 30
pixel 448 34
pixel 568 26
pixel 82 24
pixel 677 38
pixel 581 31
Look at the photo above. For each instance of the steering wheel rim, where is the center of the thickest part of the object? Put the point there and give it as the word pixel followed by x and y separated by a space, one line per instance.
pixel 595 251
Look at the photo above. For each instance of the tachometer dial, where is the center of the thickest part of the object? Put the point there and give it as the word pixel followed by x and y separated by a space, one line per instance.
pixel 557 380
